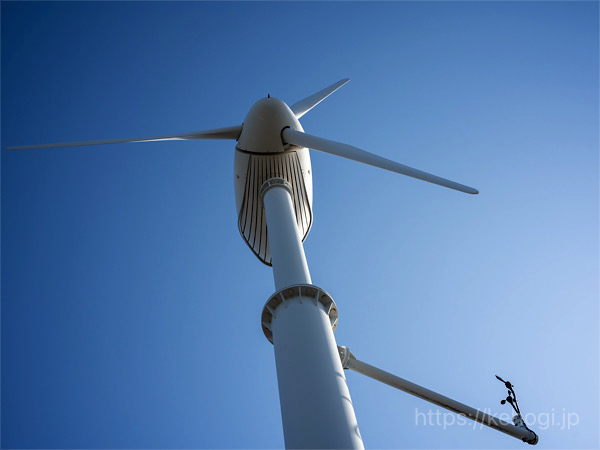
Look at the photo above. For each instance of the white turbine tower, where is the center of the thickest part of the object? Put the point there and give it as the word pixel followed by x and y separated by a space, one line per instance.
pixel 273 192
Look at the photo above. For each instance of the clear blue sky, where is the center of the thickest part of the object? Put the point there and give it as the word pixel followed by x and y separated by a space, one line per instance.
pixel 130 304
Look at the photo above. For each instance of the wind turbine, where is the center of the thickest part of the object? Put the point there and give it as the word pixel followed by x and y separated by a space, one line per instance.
pixel 273 193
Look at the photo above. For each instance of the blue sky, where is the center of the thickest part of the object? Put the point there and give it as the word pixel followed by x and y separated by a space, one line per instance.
pixel 130 304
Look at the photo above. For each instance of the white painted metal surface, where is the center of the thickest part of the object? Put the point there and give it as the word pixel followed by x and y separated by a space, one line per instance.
pixel 287 253
pixel 217 133
pixel 295 137
pixel 520 432
pixel 261 131
pixel 305 105
pixel 316 409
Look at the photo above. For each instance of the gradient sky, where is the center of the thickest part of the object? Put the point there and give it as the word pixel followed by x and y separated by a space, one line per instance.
pixel 131 305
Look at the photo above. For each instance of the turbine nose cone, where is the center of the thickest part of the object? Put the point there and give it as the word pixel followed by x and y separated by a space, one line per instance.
pixel 261 132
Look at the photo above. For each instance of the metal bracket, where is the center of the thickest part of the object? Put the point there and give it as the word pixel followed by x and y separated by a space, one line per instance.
pixel 345 356
pixel 520 423
pixel 305 292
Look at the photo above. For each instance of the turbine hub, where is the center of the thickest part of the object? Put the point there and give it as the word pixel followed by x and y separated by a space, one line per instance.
pixel 261 132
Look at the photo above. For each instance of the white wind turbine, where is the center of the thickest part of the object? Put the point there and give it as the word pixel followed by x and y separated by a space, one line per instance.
pixel 273 192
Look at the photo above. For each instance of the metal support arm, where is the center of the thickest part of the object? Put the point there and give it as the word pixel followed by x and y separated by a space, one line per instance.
pixel 518 430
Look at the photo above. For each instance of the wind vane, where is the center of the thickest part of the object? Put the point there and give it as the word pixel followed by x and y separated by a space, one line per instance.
pixel 273 193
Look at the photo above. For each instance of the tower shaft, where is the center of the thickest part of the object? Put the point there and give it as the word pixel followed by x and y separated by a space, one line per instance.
pixel 316 408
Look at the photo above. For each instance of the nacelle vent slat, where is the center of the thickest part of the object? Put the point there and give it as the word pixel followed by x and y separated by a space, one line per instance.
pixel 251 220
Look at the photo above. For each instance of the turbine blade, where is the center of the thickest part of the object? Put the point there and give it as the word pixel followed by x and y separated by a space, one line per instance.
pixel 217 133
pixel 303 106
pixel 347 151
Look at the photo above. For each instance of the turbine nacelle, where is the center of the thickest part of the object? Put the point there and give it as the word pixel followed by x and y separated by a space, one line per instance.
pixel 261 130
pixel 261 155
